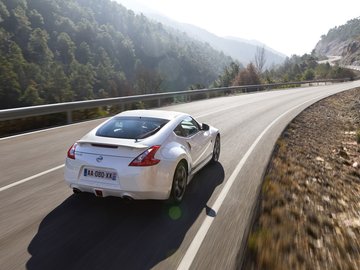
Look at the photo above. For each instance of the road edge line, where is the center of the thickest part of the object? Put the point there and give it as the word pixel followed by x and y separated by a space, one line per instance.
pixel 194 247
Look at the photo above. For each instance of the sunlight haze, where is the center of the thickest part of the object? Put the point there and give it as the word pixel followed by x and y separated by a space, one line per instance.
pixel 290 27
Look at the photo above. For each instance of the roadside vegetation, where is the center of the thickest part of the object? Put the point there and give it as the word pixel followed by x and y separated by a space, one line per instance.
pixel 54 51
pixel 294 69
pixel 308 216
pixel 58 51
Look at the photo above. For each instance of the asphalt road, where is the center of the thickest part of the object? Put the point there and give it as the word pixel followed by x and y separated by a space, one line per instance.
pixel 44 226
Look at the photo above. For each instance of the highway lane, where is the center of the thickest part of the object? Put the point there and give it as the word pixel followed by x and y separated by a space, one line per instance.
pixel 44 226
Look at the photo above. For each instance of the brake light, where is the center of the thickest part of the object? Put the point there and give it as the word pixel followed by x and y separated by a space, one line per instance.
pixel 147 157
pixel 71 151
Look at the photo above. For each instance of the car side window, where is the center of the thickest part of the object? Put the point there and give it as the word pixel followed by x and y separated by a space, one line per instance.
pixel 187 128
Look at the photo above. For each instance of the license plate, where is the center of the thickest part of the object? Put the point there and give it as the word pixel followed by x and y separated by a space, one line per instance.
pixel 99 174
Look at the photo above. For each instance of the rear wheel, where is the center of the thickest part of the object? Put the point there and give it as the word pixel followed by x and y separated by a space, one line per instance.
pixel 216 151
pixel 179 182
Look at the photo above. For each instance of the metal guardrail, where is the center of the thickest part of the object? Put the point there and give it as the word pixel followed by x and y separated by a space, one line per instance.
pixel 69 107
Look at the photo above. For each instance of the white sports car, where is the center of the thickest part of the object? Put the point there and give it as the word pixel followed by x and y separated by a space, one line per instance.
pixel 141 154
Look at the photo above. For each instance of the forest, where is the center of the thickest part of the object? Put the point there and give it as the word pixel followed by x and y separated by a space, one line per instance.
pixel 66 50
pixel 55 51
pixel 343 32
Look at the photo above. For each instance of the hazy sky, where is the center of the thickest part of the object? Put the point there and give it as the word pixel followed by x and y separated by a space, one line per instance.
pixel 291 27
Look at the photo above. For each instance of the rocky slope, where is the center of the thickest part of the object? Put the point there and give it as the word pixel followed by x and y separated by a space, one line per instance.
pixel 309 214
pixel 351 54
pixel 342 41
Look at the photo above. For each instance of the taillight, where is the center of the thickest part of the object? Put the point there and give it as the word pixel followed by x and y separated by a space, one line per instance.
pixel 71 151
pixel 147 157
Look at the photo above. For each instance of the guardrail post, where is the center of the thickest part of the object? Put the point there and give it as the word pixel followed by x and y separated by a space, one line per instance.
pixel 159 103
pixel 68 117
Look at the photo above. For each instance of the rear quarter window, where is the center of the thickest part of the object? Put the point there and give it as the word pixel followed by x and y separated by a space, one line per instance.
pixel 187 128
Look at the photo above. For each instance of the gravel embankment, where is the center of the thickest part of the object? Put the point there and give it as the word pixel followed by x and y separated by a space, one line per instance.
pixel 309 214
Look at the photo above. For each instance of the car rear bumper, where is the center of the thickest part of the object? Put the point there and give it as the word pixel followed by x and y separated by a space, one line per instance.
pixel 138 183
pixel 106 192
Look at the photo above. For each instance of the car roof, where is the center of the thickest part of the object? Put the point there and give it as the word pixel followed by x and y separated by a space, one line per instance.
pixel 169 115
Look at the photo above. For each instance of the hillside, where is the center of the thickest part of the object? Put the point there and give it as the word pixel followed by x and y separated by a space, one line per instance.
pixel 240 49
pixel 343 41
pixel 58 51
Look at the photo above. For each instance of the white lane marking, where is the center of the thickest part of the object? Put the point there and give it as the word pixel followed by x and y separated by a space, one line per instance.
pixel 53 128
pixel 203 115
pixel 281 94
pixel 220 110
pixel 201 233
pixel 58 167
pixel 229 108
pixel 31 178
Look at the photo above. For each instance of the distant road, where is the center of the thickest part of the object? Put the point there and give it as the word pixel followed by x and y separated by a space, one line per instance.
pixel 44 226
pixel 332 59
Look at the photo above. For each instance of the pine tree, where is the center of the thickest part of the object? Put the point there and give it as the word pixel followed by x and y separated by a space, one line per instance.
pixel 31 95
pixel 58 88
pixel 38 48
pixel 82 80
pixel 65 49
pixel 9 87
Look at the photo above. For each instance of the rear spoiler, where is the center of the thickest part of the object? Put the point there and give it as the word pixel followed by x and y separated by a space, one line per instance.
pixel 111 142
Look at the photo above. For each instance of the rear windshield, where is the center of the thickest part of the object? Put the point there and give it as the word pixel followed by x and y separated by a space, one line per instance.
pixel 131 127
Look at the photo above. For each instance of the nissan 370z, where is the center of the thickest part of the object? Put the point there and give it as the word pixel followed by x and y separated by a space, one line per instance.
pixel 141 154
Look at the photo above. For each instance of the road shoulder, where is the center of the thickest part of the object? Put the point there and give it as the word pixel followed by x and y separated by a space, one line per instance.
pixel 309 204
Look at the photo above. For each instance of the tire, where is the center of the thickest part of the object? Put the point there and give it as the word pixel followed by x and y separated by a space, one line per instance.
pixel 179 182
pixel 216 151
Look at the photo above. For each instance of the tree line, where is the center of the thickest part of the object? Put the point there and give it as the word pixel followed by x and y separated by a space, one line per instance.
pixel 58 51
pixel 344 32
pixel 294 69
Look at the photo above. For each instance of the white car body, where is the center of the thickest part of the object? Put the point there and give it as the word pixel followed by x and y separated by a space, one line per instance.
pixel 101 165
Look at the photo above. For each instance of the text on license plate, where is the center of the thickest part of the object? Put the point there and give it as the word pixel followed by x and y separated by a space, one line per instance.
pixel 100 174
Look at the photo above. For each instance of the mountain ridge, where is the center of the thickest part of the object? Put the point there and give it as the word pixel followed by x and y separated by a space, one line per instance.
pixel 242 51
pixel 238 48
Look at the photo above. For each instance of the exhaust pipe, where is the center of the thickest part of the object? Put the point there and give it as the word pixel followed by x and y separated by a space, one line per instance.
pixel 99 193
pixel 76 190
pixel 127 198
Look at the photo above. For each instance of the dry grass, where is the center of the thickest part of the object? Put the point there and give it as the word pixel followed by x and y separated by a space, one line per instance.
pixel 308 191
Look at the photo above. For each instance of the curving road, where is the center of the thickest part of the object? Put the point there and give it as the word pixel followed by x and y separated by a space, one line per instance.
pixel 44 226
pixel 333 59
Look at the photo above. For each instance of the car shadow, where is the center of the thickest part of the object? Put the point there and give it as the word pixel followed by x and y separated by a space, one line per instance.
pixel 86 232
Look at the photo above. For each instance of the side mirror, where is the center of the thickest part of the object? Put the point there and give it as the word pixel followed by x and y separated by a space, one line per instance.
pixel 205 127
